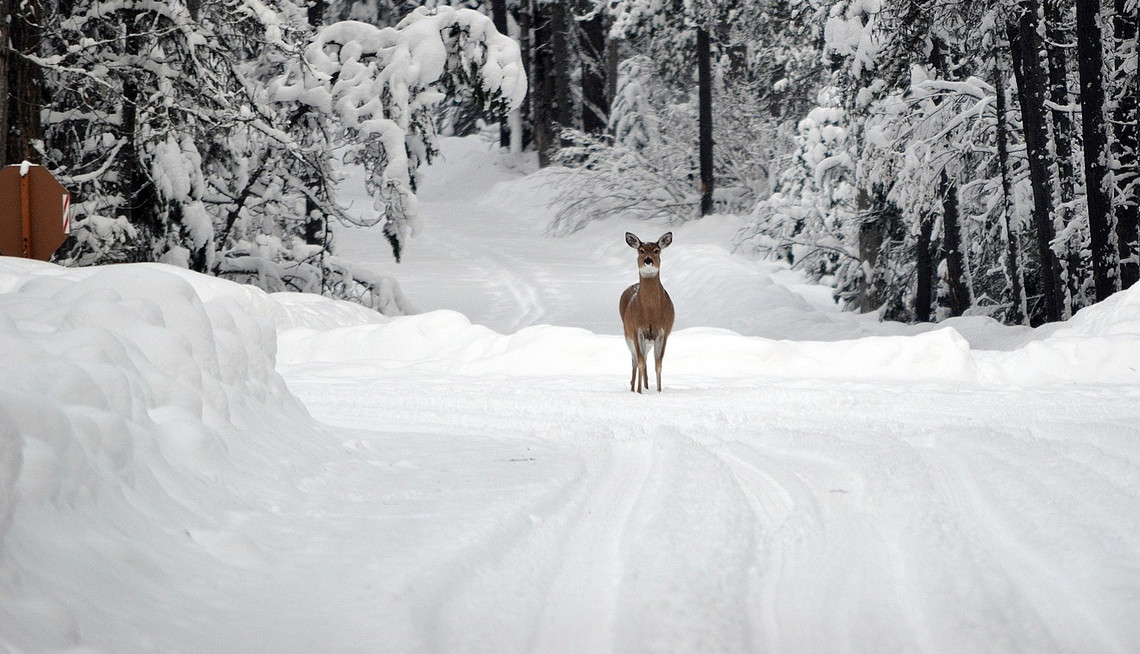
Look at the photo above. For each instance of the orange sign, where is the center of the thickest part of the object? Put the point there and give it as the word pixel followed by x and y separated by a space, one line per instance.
pixel 35 212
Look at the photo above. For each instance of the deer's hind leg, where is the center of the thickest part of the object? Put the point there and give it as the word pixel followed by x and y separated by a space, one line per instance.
pixel 658 355
pixel 643 342
pixel 632 343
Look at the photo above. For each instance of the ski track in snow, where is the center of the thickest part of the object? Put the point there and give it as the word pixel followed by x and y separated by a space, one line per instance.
pixel 726 520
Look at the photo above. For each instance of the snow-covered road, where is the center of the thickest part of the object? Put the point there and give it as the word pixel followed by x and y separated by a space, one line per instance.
pixel 788 517
pixel 737 512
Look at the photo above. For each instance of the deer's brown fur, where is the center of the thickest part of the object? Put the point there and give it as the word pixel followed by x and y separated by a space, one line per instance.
pixel 646 311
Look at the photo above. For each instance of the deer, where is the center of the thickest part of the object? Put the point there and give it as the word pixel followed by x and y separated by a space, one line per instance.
pixel 646 310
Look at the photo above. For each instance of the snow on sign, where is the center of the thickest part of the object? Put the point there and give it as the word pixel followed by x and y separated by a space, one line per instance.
pixel 35 212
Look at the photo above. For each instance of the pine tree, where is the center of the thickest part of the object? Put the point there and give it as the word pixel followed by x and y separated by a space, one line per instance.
pixel 24 95
pixel 1126 142
pixel 705 145
pixel 1094 128
pixel 1029 69
pixel 4 57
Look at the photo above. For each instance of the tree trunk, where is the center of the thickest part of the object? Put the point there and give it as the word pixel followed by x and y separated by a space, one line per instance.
pixel 551 97
pixel 1025 47
pixel 542 82
pixel 871 237
pixel 1094 128
pixel 316 229
pixel 4 53
pixel 704 82
pixel 560 49
pixel 1124 119
pixel 25 83
pixel 957 274
pixel 499 17
pixel 923 270
pixel 1058 38
pixel 138 192
pixel 595 100
pixel 1017 313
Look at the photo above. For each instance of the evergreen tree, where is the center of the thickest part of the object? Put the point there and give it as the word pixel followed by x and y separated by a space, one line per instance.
pixel 1094 129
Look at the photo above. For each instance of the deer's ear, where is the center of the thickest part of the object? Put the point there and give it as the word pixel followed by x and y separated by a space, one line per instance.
pixel 665 240
pixel 632 240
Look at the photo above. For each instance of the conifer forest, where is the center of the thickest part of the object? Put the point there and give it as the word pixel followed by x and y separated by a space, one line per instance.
pixel 925 159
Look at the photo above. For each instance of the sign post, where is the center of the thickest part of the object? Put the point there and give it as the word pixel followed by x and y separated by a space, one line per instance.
pixel 35 212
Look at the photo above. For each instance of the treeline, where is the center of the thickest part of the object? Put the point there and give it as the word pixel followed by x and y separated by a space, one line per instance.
pixel 993 149
pixel 927 159
pixel 212 135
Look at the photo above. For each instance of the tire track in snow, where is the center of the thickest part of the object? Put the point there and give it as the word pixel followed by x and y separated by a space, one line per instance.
pixel 547 583
pixel 1042 556
pixel 824 575
pixel 689 549
pixel 581 604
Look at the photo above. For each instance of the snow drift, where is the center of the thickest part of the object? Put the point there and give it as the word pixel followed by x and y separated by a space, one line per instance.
pixel 130 397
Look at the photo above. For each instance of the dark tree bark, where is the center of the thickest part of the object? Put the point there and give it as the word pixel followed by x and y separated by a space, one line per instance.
pixel 924 271
pixel 4 53
pixel 1017 310
pixel 957 277
pixel 704 92
pixel 561 23
pixel 541 83
pixel 871 237
pixel 1094 129
pixel 1126 144
pixel 25 82
pixel 595 66
pixel 315 230
pixel 499 17
pixel 551 98
pixel 138 192
pixel 527 49
pixel 1058 39
pixel 1029 69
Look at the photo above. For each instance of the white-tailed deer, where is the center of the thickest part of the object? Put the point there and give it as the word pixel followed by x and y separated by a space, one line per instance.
pixel 646 310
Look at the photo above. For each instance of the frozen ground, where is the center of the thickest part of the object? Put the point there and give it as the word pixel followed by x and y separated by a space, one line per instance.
pixel 189 465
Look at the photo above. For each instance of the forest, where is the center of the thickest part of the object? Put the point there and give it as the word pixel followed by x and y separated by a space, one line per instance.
pixel 925 159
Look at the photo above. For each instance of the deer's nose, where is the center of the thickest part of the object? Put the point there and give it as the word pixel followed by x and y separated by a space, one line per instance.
pixel 648 261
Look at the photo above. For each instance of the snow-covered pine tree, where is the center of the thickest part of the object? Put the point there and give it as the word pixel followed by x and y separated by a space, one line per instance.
pixel 149 103
pixel 927 202
pixel 161 125
pixel 376 88
pixel 815 217
pixel 653 153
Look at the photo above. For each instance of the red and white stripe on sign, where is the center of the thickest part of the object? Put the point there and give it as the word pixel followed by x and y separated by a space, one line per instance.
pixel 66 213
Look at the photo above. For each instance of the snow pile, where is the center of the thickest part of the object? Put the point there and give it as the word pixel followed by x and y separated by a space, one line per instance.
pixel 1102 347
pixel 130 398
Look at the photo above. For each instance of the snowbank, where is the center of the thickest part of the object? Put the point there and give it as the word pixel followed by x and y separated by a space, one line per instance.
pixel 130 397
pixel 1101 345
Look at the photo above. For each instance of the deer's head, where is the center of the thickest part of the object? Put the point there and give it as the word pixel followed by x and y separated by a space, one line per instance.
pixel 649 254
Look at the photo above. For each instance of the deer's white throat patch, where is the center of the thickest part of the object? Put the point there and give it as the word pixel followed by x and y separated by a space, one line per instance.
pixel 648 271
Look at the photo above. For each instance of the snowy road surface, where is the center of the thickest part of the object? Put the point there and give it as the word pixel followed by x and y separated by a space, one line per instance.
pixel 189 465
pixel 748 517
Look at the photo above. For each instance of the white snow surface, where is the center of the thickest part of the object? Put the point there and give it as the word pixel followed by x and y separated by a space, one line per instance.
pixel 189 465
